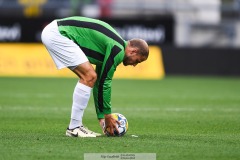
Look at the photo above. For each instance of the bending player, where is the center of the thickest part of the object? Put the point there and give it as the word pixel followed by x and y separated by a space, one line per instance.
pixel 78 42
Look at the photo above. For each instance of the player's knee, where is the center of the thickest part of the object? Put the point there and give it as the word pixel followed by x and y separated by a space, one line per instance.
pixel 91 78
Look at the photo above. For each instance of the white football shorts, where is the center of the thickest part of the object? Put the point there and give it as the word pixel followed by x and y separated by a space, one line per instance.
pixel 64 52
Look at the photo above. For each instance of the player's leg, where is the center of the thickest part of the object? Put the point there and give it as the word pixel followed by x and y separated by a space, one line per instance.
pixel 81 92
pixel 65 53
pixel 86 73
pixel 81 95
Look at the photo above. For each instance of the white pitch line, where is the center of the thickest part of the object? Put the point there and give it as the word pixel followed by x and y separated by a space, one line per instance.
pixel 33 108
pixel 119 109
pixel 24 95
pixel 178 109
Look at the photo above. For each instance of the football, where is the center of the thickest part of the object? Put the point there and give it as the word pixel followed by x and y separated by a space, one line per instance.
pixel 122 128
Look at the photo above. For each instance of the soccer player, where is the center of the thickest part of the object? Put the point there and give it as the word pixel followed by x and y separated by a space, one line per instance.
pixel 78 42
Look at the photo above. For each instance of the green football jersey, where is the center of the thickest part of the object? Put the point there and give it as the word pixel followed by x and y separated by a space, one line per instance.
pixel 103 46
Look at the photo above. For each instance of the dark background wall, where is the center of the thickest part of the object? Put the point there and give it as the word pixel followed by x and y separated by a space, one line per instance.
pixel 157 31
pixel 201 61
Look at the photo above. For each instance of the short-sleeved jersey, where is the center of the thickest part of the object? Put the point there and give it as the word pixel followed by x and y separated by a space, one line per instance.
pixel 103 46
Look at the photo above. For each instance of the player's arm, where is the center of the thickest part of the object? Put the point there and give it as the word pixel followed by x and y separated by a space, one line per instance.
pixel 102 88
pixel 102 99
pixel 102 93
pixel 104 105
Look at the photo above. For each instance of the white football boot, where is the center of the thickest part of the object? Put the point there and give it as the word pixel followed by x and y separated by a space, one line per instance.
pixel 91 132
pixel 79 132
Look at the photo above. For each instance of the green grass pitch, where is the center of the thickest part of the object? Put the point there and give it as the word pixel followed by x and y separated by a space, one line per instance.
pixel 178 118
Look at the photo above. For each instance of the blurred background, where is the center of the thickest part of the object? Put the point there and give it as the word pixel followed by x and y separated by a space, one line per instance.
pixel 195 37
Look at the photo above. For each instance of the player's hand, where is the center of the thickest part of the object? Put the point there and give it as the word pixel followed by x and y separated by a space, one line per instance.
pixel 110 124
pixel 102 124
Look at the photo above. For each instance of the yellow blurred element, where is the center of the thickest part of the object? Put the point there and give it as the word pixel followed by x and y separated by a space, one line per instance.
pixel 32 11
pixel 152 68
pixel 33 60
pixel 25 2
pixel 32 7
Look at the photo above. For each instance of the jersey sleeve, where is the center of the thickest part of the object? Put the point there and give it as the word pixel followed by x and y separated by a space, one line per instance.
pixel 103 85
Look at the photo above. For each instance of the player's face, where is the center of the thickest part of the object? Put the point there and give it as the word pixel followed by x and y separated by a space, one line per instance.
pixel 133 59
